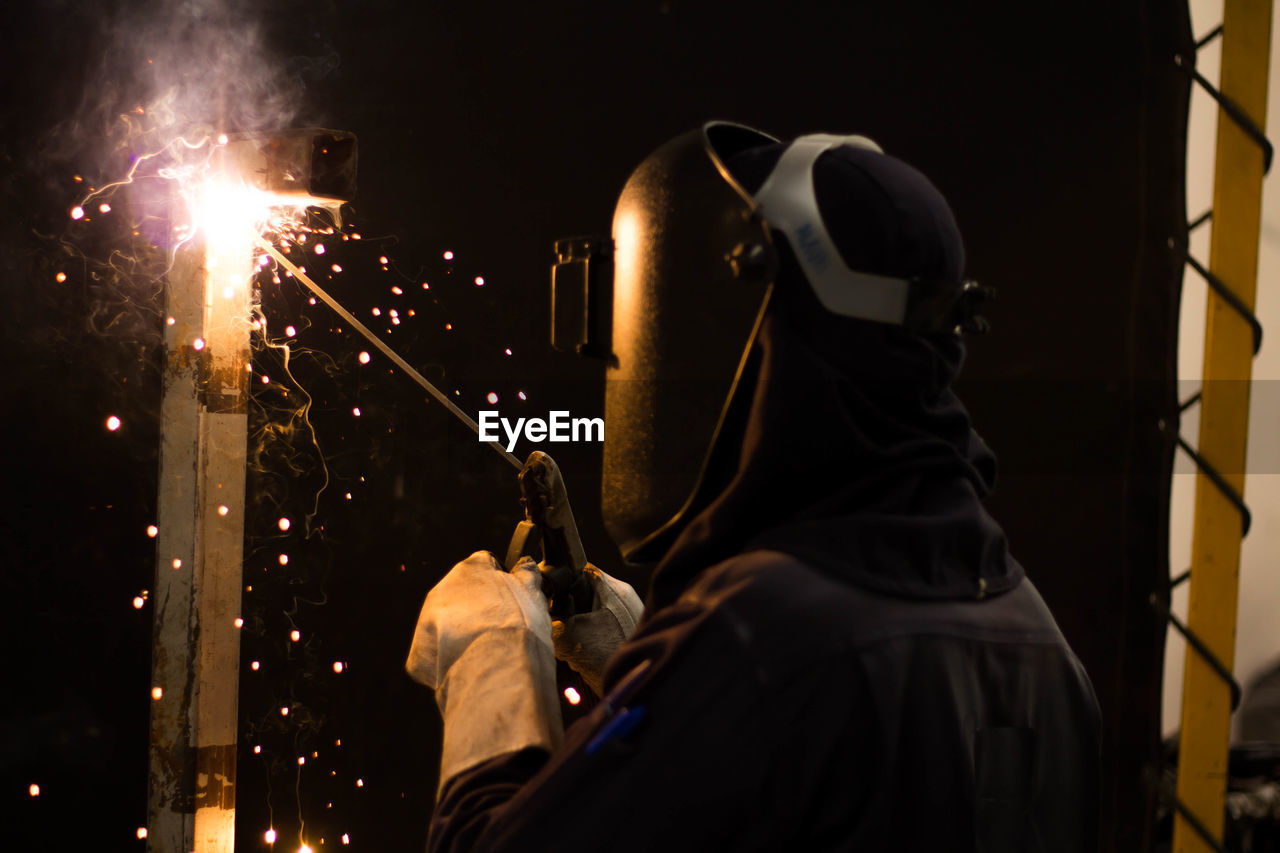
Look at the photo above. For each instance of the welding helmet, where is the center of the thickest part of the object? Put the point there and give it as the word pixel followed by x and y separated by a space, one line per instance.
pixel 674 302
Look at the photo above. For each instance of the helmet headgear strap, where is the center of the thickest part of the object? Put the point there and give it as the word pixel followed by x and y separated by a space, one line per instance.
pixel 790 205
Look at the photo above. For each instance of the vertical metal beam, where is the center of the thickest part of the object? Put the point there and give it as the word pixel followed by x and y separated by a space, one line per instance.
pixel 1224 423
pixel 200 548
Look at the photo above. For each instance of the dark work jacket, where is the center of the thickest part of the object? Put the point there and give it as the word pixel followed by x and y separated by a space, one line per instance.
pixel 775 707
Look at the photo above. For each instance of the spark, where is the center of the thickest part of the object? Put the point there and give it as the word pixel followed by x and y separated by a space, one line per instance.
pixel 521 395
pixel 113 423
pixel 304 849
pixel 77 212
pixel 346 839
pixel 197 344
pixel 270 835
pixel 492 397
pixel 337 268
pixel 224 509
pixel 383 260
pixel 364 358
pixel 377 312
pixel 169 321
pixel 359 783
pixel 60 277
pixel 142 832
pixel 397 291
pixel 290 331
pixel 319 250
pixel 448 256
pixel 284 711
pixel 572 696
pixel 177 563
pixel 138 602
pixel 222 137
pixel 302 759
pixel 284 524
pixel 239 623
pixel 104 207
pixel 157 693
pixel 34 790
pixel 338 666
pixel 448 327
pixel 255 665
pixel 507 350
pixel 479 281
pixel 257 750
pixel 284 559
pixel 356 411
pixel 295 635
pixel 153 531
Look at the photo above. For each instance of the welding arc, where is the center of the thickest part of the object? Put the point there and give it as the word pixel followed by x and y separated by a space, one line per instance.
pixel 384 348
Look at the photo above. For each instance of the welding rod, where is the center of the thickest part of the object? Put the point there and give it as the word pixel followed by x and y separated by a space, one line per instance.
pixel 384 348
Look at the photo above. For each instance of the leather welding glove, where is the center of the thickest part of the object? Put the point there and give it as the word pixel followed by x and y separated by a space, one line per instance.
pixel 483 644
pixel 587 640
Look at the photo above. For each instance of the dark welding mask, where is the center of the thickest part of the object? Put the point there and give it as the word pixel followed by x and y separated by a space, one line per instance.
pixel 674 301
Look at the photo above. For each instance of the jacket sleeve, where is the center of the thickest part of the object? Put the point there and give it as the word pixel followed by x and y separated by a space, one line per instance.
pixel 699 753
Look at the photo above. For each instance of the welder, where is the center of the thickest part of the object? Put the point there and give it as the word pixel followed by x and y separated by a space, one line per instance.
pixel 837 649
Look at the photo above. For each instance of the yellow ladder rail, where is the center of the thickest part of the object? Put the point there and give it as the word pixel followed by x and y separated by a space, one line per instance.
pixel 1224 426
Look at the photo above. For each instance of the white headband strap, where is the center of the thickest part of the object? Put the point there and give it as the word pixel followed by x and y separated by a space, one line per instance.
pixel 791 206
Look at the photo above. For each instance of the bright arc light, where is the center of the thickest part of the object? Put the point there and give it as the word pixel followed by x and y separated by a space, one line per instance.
pixel 304 849
pixel 270 835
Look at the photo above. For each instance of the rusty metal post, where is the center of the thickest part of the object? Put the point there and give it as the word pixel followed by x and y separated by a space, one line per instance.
pixel 200 550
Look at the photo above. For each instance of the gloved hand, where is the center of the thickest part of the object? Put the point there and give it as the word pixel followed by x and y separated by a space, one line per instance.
pixel 483 644
pixel 587 640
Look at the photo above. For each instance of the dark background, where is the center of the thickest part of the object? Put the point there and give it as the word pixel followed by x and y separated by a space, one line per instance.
pixel 1055 130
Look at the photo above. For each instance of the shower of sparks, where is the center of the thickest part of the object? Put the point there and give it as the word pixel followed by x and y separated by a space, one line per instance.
pixel 276 235
pixel 386 350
